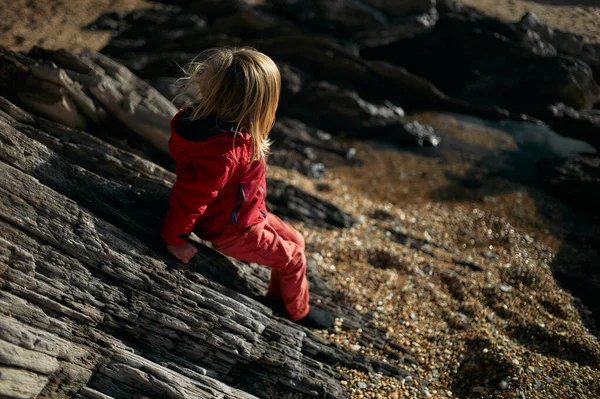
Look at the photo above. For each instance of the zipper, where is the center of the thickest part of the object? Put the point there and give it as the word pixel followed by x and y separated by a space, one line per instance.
pixel 240 198
pixel 264 192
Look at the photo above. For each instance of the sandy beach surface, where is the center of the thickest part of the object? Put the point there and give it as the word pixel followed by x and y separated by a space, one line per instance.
pixel 577 16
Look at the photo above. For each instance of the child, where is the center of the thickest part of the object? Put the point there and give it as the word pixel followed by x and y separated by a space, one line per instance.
pixel 220 144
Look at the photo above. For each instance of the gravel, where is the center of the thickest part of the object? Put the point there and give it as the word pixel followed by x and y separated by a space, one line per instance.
pixel 436 311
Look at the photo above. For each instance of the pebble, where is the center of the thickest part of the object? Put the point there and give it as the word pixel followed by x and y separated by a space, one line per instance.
pixel 505 288
pixel 504 385
pixel 355 348
pixel 361 385
pixel 478 390
pixel 515 362
pixel 538 385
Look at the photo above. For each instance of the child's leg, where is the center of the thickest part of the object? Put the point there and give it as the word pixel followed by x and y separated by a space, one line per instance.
pixel 263 245
pixel 288 233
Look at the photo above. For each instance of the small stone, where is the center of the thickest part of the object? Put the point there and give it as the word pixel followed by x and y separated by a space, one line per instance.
pixel 478 390
pixel 490 255
pixel 361 219
pixel 504 385
pixel 505 288
pixel 355 348
pixel 358 307
pixel 361 385
pixel 515 362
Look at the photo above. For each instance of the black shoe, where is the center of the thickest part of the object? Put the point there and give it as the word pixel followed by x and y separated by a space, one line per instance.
pixel 275 304
pixel 317 319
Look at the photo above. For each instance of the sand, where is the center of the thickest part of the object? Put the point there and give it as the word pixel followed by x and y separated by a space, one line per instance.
pixel 56 24
pixel 577 16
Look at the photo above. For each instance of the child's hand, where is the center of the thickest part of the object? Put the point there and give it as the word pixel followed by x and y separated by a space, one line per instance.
pixel 184 252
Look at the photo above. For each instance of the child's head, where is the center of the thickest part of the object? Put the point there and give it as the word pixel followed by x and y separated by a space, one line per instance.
pixel 237 85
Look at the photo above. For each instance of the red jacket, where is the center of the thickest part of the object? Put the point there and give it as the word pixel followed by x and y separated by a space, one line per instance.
pixel 217 190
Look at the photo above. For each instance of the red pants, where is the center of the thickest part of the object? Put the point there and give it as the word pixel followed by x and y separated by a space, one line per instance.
pixel 278 245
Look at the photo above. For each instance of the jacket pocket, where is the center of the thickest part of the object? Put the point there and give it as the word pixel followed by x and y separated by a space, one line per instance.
pixel 240 198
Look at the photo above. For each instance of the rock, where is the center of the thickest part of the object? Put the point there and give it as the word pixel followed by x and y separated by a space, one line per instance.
pixel 480 390
pixel 565 42
pixel 361 385
pixel 537 68
pixel 505 288
pixel 80 90
pixel 580 125
pixel 308 150
pixel 403 134
pixel 287 200
pixel 468 263
pixel 278 37
pixel 503 385
pixel 575 180
pixel 83 215
pixel 369 21
pixel 346 110
pixel 526 87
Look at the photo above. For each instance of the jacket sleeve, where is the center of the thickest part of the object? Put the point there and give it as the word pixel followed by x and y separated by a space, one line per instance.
pixel 198 183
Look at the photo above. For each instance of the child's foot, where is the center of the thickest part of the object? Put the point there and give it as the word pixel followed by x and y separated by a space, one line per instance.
pixel 275 304
pixel 317 319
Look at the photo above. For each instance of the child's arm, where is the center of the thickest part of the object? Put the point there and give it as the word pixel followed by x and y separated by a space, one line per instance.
pixel 196 187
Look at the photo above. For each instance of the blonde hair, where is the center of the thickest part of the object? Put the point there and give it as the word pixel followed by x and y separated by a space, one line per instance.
pixel 240 86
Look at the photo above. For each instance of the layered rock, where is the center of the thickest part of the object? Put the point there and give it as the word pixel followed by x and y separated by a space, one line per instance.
pixel 92 306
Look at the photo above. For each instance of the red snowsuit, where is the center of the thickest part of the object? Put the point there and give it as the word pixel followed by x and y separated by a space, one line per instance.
pixel 221 197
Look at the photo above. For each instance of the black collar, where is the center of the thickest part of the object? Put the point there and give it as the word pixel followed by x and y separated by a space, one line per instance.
pixel 200 129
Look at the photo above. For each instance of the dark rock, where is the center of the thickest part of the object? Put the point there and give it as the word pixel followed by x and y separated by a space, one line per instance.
pixel 467 263
pixel 369 21
pixel 575 180
pixel 287 200
pixel 294 135
pixel 345 110
pixel 527 87
pixel 381 214
pixel 411 133
pixel 565 42
pixel 580 125
pixel 487 61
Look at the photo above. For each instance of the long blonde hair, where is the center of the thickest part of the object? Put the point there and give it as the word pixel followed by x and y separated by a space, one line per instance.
pixel 237 85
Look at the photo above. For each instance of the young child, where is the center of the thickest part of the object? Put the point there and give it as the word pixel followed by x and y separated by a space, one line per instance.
pixel 220 143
